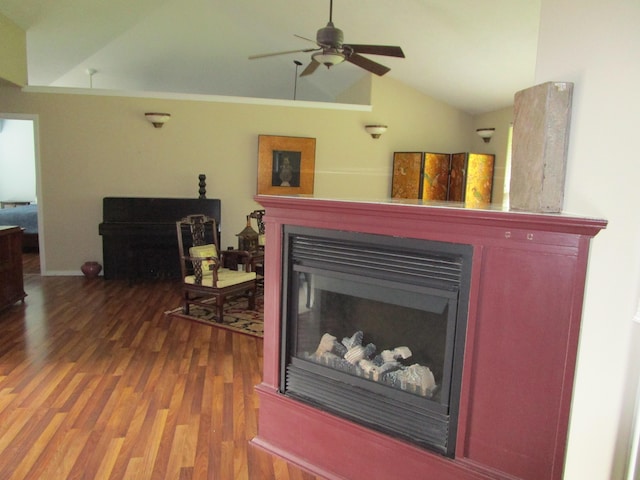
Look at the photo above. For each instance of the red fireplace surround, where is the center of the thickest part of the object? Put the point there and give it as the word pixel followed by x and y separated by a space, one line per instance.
pixel 526 295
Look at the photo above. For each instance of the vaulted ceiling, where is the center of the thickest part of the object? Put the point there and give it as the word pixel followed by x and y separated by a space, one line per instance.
pixel 471 54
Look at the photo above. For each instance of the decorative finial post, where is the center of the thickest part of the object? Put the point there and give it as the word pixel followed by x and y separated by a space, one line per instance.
pixel 203 185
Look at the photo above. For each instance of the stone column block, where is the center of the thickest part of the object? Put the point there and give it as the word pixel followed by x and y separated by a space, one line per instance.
pixel 542 116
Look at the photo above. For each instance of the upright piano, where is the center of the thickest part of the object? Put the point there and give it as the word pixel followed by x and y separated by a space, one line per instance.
pixel 139 239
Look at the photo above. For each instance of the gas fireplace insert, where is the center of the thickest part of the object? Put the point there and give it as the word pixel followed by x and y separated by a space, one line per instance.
pixel 374 329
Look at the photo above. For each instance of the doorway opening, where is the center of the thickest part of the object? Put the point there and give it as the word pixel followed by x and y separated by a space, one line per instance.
pixel 20 182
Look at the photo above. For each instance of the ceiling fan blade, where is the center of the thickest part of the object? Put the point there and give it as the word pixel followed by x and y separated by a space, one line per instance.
pixel 253 57
pixel 310 68
pixel 388 50
pixel 312 41
pixel 367 64
pixel 304 38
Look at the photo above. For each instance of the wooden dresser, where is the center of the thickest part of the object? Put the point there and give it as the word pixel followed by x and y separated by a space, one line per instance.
pixel 11 282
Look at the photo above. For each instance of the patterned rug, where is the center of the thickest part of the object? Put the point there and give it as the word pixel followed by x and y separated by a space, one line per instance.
pixel 236 316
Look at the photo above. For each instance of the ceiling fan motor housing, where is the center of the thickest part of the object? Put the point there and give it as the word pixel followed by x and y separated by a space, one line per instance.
pixel 330 36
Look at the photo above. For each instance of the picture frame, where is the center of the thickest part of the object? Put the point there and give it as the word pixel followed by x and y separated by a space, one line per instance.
pixel 286 165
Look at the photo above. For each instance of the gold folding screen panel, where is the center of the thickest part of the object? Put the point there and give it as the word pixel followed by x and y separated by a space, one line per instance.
pixel 479 181
pixel 407 175
pixel 435 176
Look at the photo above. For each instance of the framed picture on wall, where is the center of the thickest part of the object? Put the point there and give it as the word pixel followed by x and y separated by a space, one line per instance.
pixel 286 165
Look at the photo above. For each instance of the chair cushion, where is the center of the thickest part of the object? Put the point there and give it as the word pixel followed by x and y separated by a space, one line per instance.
pixel 204 251
pixel 226 278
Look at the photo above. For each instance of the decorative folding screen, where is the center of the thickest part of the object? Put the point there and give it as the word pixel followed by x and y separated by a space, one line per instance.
pixel 458 177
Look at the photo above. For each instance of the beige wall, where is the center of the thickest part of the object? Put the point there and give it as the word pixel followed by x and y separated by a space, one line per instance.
pixel 13 52
pixel 92 146
pixel 595 45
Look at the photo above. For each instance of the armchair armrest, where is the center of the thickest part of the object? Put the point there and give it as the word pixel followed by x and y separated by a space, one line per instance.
pixel 213 261
pixel 204 265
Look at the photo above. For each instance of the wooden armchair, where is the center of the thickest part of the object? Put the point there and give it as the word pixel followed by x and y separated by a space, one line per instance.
pixel 205 280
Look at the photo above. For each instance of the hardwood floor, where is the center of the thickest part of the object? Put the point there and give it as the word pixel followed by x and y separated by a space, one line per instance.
pixel 30 263
pixel 97 383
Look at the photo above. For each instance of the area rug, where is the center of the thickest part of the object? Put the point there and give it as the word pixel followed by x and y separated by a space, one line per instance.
pixel 236 316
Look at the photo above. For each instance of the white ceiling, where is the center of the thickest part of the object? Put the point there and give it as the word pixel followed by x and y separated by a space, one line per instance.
pixel 471 54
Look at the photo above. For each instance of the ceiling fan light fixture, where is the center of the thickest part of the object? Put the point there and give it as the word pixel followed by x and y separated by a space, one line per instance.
pixel 328 58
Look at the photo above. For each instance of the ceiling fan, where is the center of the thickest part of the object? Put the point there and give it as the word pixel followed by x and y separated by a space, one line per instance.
pixel 330 50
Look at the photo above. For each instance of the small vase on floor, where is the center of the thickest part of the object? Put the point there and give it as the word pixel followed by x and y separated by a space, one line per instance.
pixel 91 269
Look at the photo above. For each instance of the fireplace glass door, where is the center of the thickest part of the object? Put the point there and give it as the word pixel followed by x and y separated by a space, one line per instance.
pixel 374 330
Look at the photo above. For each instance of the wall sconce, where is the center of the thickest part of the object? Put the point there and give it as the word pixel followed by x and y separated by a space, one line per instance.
pixel 158 119
pixel 486 133
pixel 375 130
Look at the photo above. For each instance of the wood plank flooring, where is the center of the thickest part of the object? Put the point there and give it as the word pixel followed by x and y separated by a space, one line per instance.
pixel 97 383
